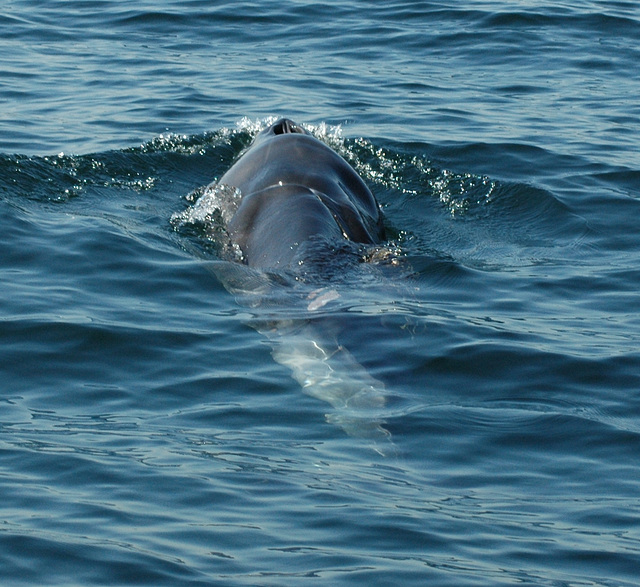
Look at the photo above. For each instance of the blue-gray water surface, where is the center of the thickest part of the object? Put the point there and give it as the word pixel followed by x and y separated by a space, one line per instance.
pixel 148 436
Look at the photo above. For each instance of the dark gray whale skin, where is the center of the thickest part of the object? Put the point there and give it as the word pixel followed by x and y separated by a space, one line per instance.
pixel 295 189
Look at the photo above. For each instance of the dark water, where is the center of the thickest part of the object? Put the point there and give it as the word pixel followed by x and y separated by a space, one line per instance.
pixel 148 436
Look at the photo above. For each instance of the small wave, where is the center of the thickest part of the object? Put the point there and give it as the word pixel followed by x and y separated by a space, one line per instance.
pixel 60 177
pixel 208 216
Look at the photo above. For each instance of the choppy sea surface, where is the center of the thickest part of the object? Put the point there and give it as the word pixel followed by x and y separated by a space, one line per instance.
pixel 149 436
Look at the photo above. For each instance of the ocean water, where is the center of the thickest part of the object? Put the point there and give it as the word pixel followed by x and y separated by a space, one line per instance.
pixel 152 428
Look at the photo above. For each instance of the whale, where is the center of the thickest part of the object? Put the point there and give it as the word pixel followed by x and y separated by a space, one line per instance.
pixel 287 198
pixel 295 189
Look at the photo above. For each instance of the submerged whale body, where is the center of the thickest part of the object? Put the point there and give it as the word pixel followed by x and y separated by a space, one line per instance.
pixel 295 189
